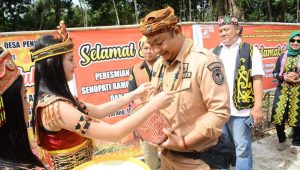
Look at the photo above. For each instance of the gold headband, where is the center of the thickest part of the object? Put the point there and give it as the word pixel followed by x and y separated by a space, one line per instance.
pixel 9 72
pixel 57 49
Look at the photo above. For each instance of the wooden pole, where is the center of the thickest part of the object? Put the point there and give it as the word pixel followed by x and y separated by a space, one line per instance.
pixel 136 12
pixel 297 10
pixel 190 10
pixel 117 16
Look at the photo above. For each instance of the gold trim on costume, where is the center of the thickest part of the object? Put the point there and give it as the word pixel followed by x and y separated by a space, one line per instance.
pixel 57 49
pixel 9 72
pixel 2 112
pixel 115 159
pixel 70 150
pixel 68 158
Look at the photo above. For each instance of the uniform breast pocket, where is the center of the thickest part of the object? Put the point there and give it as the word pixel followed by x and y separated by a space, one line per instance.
pixel 185 86
pixel 185 96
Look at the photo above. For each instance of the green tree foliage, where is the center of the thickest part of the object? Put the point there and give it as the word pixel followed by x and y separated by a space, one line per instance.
pixel 25 15
pixel 47 13
pixel 103 13
pixel 266 10
pixel 12 14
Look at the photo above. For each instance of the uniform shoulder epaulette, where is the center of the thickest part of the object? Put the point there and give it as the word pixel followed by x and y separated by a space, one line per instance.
pixel 48 99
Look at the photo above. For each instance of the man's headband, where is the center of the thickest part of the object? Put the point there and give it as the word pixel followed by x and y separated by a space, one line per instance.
pixel 159 21
pixel 64 47
pixel 9 72
pixel 227 20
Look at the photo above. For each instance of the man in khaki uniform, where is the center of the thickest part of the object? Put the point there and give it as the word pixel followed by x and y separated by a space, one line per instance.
pixel 201 106
pixel 139 74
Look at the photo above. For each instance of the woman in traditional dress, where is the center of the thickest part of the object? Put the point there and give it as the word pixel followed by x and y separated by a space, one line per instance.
pixel 286 106
pixel 64 125
pixel 15 151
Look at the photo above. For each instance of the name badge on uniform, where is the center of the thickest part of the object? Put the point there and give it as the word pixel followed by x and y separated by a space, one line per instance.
pixel 217 74
pixel 153 73
pixel 186 72
pixel 185 67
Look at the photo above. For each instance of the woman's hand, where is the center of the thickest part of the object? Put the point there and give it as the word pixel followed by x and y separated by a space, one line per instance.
pixel 162 99
pixel 141 90
pixel 292 77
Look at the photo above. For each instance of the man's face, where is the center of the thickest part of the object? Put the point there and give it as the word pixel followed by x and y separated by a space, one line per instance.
pixel 149 53
pixel 228 34
pixel 167 44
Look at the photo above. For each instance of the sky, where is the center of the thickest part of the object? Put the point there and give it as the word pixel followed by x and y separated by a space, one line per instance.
pixel 76 2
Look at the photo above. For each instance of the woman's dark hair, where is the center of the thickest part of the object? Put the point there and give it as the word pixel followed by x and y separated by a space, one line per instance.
pixel 50 75
pixel 14 142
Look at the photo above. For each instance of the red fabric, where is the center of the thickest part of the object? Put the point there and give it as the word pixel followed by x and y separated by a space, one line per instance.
pixel 151 129
pixel 60 140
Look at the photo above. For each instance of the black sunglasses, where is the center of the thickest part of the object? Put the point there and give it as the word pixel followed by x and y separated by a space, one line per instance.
pixel 293 40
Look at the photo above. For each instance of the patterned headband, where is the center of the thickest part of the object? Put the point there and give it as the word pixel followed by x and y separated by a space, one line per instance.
pixel 159 21
pixel 9 72
pixel 64 47
pixel 227 20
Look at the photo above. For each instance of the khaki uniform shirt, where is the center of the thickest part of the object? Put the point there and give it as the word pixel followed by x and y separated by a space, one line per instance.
pixel 203 103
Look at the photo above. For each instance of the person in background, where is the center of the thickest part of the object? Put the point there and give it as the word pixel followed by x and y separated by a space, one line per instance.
pixel 139 74
pixel 64 125
pixel 244 72
pixel 15 151
pixel 286 105
pixel 201 104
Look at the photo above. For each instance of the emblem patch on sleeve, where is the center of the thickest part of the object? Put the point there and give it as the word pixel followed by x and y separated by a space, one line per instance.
pixel 217 74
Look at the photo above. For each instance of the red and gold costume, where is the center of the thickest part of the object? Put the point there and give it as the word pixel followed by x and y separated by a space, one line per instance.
pixel 8 74
pixel 60 149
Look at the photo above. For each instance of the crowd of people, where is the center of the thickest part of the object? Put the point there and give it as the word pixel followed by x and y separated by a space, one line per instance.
pixel 206 95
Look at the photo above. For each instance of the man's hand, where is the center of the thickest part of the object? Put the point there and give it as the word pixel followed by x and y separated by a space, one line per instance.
pixel 173 141
pixel 256 112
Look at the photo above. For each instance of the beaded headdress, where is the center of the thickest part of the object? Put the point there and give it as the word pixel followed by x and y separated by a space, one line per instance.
pixel 227 20
pixel 8 74
pixel 64 47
